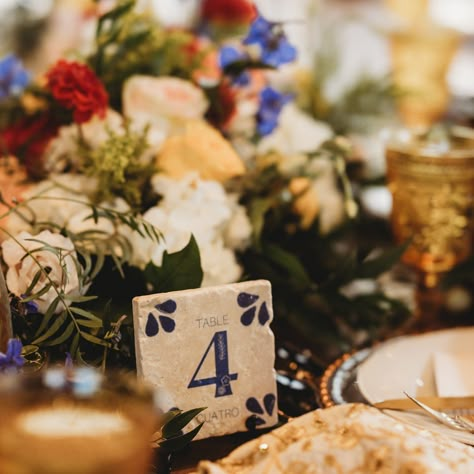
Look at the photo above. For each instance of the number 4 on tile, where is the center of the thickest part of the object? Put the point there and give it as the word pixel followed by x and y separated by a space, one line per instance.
pixel 222 378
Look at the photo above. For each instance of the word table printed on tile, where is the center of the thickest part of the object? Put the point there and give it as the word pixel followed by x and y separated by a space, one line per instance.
pixel 211 347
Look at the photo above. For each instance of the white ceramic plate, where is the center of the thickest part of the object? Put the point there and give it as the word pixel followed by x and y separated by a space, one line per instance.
pixel 406 364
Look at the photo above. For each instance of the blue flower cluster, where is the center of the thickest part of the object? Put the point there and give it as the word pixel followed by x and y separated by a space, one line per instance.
pixel 229 55
pixel 271 103
pixel 12 360
pixel 275 48
pixel 13 76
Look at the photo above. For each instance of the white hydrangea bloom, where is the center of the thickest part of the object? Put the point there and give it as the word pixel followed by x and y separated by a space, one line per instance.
pixel 205 210
pixel 63 150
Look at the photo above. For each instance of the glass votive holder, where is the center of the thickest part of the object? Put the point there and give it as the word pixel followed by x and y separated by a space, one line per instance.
pixel 75 421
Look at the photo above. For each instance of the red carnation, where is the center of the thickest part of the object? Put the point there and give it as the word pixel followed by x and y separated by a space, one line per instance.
pixel 75 86
pixel 229 11
pixel 28 138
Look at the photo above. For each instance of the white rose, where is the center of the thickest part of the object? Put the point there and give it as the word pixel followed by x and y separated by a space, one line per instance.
pixel 297 132
pixel 56 201
pixel 22 268
pixel 173 14
pixel 165 103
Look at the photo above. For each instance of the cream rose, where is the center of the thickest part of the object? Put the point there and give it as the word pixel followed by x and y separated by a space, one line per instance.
pixel 200 148
pixel 164 103
pixel 22 268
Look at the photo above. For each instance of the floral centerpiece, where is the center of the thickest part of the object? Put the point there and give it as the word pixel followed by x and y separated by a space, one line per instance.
pixel 165 159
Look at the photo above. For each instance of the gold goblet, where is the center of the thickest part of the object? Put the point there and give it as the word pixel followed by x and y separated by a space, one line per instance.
pixel 431 178
pixel 61 421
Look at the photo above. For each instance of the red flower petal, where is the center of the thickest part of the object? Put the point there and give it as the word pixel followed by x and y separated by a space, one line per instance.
pixel 75 86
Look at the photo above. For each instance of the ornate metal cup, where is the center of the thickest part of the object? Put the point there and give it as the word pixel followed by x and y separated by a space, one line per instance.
pixel 432 183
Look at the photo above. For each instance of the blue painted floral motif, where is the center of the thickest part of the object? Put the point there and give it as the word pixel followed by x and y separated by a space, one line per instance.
pixel 13 76
pixel 247 300
pixel 154 321
pixel 275 48
pixel 271 104
pixel 258 412
pixel 12 360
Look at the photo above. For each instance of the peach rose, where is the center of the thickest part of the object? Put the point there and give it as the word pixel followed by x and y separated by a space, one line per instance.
pixel 13 184
pixel 199 148
pixel 165 103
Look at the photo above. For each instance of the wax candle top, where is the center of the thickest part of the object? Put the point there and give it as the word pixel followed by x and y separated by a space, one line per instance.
pixel 72 422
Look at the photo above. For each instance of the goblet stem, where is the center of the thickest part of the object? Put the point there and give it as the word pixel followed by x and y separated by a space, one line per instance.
pixel 429 301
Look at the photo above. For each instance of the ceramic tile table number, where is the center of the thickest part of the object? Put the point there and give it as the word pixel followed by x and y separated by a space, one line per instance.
pixel 211 347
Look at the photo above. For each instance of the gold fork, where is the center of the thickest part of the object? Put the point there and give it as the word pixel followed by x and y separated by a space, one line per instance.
pixel 456 422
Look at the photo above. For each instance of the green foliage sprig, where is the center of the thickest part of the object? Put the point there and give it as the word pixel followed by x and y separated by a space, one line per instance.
pixel 120 166
pixel 88 327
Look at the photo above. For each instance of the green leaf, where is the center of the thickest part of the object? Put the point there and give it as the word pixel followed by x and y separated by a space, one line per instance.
pixel 179 421
pixel 117 12
pixel 288 262
pixel 33 282
pixel 89 324
pixel 85 314
pixel 94 339
pixel 29 349
pixel 38 294
pixel 175 444
pixel 52 329
pixel 79 299
pixel 48 315
pixel 179 271
pixel 74 345
pixel 169 415
pixel 257 210
pixel 374 267
pixel 62 337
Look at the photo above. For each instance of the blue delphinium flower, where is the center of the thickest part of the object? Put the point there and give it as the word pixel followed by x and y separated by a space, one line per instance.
pixel 229 55
pixel 271 103
pixel 12 360
pixel 276 49
pixel 13 76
